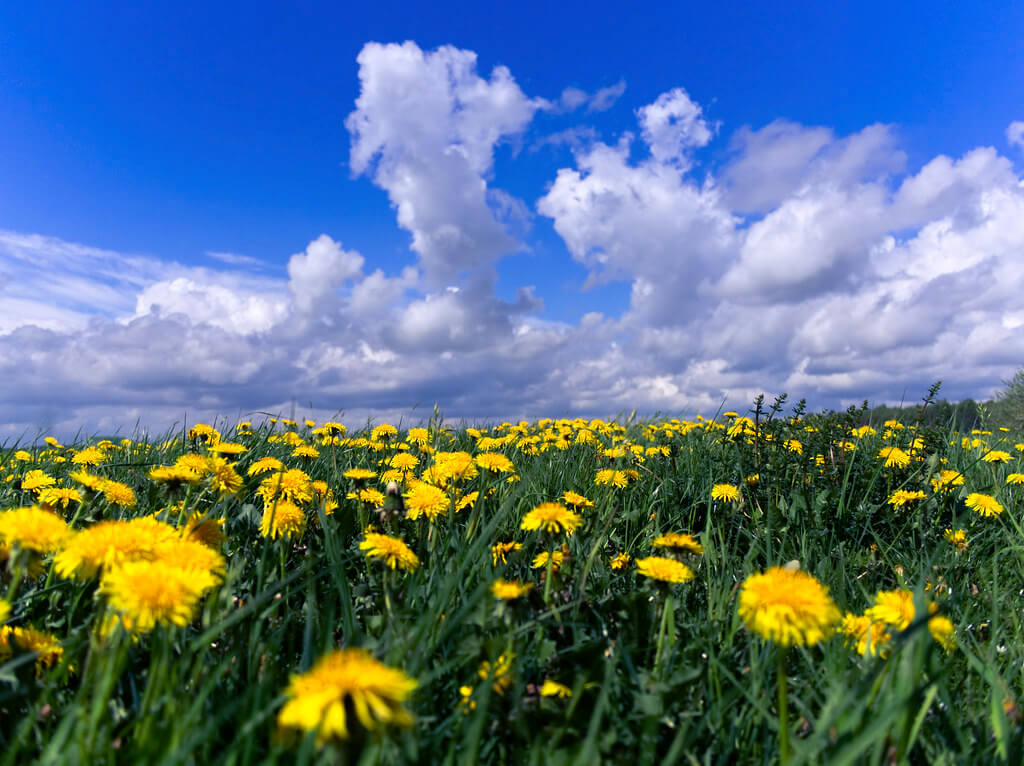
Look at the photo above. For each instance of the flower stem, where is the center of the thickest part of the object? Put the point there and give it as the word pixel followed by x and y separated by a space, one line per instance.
pixel 780 679
pixel 662 631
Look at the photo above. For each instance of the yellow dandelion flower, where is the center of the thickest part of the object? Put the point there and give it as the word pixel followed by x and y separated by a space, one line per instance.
pixel 494 462
pixel 869 637
pixel 395 553
pixel 293 485
pixel 90 456
pixel 199 464
pixel 359 474
pixel 508 590
pixel 368 495
pixel 426 500
pixel 894 457
pixel 893 607
pixel 957 538
pixel 466 501
pixel 1015 478
pixel 454 466
pixel 946 480
pixel 151 593
pixel 205 433
pixel 794 446
pixel 576 500
pixel 997 456
pixel 283 519
pixel 193 556
pixel 200 528
pixel 499 551
pixel 984 505
pixel 902 497
pixel 117 493
pixel 540 561
pixel 28 639
pixel 726 493
pixel 173 475
pixel 383 432
pixel 35 481
pixel 620 561
pixel 787 606
pixel 33 529
pixel 664 569
pixel 110 543
pixel 339 683
pixel 609 477
pixel 59 496
pixel 306 451
pixel 551 517
pixel 228 448
pixel 677 541
pixel 500 672
pixel 265 465
pixel 942 631
pixel 554 689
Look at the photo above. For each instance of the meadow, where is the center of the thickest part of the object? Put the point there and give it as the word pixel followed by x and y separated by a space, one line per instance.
pixel 758 587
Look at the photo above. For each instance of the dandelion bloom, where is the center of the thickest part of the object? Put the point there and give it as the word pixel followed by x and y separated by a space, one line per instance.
pixel 466 501
pixel 787 606
pixel 173 475
pixel 306 451
pixel 902 497
pixel 794 446
pixel 33 529
pixel 577 500
pixel 283 519
pixel 344 681
pixel 869 637
pixel 500 672
pixel 664 569
pixel 620 561
pixel 984 505
pixel 957 538
pixel 946 480
pixel 205 433
pixel 894 457
pixel 151 593
pixel 727 493
pixel 403 461
pixel 499 551
pixel 228 448
pixel 293 485
pixel 551 517
pixel 1015 478
pixel 893 607
pixel 265 465
pixel 554 689
pixel 426 500
pixel 89 456
pixel 34 481
pixel 359 474
pixel 59 496
pixel 28 639
pixel 997 456
pixel 109 543
pixel 209 532
pixel 207 564
pixel 677 541
pixel 508 590
pixel 609 477
pixel 942 631
pixel 540 561
pixel 453 466
pixel 118 494
pixel 495 462
pixel 394 552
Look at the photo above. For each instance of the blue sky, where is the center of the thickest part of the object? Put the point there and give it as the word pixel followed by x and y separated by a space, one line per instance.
pixel 148 136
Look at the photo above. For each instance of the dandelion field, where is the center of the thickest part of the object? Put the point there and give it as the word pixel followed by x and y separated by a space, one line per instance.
pixel 753 588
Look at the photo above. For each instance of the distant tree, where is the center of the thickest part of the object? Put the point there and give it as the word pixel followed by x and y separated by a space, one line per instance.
pixel 1010 401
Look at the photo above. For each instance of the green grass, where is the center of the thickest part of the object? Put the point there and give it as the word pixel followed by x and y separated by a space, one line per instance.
pixel 211 692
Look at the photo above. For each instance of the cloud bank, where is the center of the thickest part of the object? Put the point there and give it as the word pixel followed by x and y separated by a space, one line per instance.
pixel 808 262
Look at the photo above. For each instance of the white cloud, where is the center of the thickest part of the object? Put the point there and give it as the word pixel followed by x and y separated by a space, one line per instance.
pixel 315 274
pixel 1015 134
pixel 672 126
pixel 605 98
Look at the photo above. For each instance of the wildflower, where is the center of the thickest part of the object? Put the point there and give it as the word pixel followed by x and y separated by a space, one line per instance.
pixel 418 436
pixel 383 432
pixel 283 519
pixel 359 474
pixel 620 561
pixel 151 593
pixel 394 552
pixel 893 607
pixel 540 561
pixel 109 543
pixel 942 631
pixel 192 556
pixel 678 542
pixel 577 500
pixel 554 689
pixel 894 457
pixel 957 538
pixel 292 485
pixel 466 501
pixel 27 639
pixel 90 456
pixel 609 477
pixel 551 517
pixel 369 495
pixel 426 500
pixel 228 448
pixel 62 496
pixel 209 532
pixel 664 569
pixel 495 462
pixel 197 463
pixel 339 683
pixel 794 446
pixel 902 497
pixel 753 480
pixel 33 529
pixel 173 475
pixel 37 480
pixel 1015 478
pixel 727 493
pixel 205 433
pixel 117 493
pixel 868 636
pixel 499 673
pixel 946 480
pixel 403 461
pixel 452 466
pixel 997 456
pixel 265 465
pixel 499 551
pixel 306 451
pixel 787 606
pixel 984 505
pixel 508 590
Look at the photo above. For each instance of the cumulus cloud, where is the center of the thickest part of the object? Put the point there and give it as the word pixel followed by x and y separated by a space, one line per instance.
pixel 807 261
pixel 1015 134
